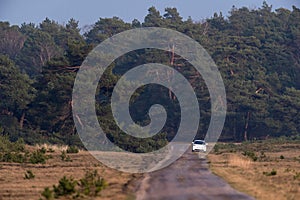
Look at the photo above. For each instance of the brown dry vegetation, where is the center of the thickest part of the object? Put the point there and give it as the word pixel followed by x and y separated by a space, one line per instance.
pixel 14 186
pixel 254 177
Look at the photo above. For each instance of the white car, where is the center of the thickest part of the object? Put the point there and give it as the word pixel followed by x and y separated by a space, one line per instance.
pixel 199 145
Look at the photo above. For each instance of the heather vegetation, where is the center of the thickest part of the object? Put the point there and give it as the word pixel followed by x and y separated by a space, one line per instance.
pixel 266 169
pixel 87 187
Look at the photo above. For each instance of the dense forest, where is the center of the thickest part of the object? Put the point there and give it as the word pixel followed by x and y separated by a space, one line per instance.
pixel 257 52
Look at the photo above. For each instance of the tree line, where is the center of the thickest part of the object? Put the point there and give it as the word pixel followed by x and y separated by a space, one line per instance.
pixel 257 52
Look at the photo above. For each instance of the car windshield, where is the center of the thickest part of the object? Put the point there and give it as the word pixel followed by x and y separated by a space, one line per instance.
pixel 199 142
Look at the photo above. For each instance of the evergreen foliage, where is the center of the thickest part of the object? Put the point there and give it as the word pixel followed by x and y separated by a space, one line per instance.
pixel 257 52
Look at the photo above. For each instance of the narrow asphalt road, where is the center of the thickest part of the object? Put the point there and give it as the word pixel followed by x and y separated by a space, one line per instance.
pixel 186 179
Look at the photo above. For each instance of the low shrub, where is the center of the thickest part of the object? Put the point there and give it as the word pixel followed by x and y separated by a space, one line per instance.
pixel 72 149
pixel 220 148
pixel 65 157
pixel 7 146
pixel 66 186
pixel 34 157
pixel 297 175
pixel 37 157
pixel 14 152
pixel 43 150
pixel 271 173
pixel 47 193
pixel 50 150
pixel 12 157
pixel 89 186
pixel 29 175
pixel 250 154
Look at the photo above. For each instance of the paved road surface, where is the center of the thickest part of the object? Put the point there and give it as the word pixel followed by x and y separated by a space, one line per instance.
pixel 186 179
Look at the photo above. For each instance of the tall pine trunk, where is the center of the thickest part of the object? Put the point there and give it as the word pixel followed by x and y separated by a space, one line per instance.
pixel 22 120
pixel 246 126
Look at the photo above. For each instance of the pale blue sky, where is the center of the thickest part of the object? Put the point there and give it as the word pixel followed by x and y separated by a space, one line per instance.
pixel 89 11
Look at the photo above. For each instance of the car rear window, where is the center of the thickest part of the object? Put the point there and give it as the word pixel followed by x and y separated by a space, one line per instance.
pixel 199 142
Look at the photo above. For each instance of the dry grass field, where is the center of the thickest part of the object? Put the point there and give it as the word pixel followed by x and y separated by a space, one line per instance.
pixel 264 170
pixel 13 185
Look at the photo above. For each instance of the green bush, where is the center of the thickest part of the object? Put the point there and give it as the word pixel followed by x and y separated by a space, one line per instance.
pixel 65 157
pixel 250 154
pixel 43 150
pixel 91 184
pixel 297 175
pixel 66 186
pixel 216 148
pixel 72 149
pixel 12 157
pixel 50 150
pixel 37 157
pixel 271 173
pixel 34 157
pixel 29 175
pixel 47 193
pixel 220 148
pixel 14 152
pixel 8 146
